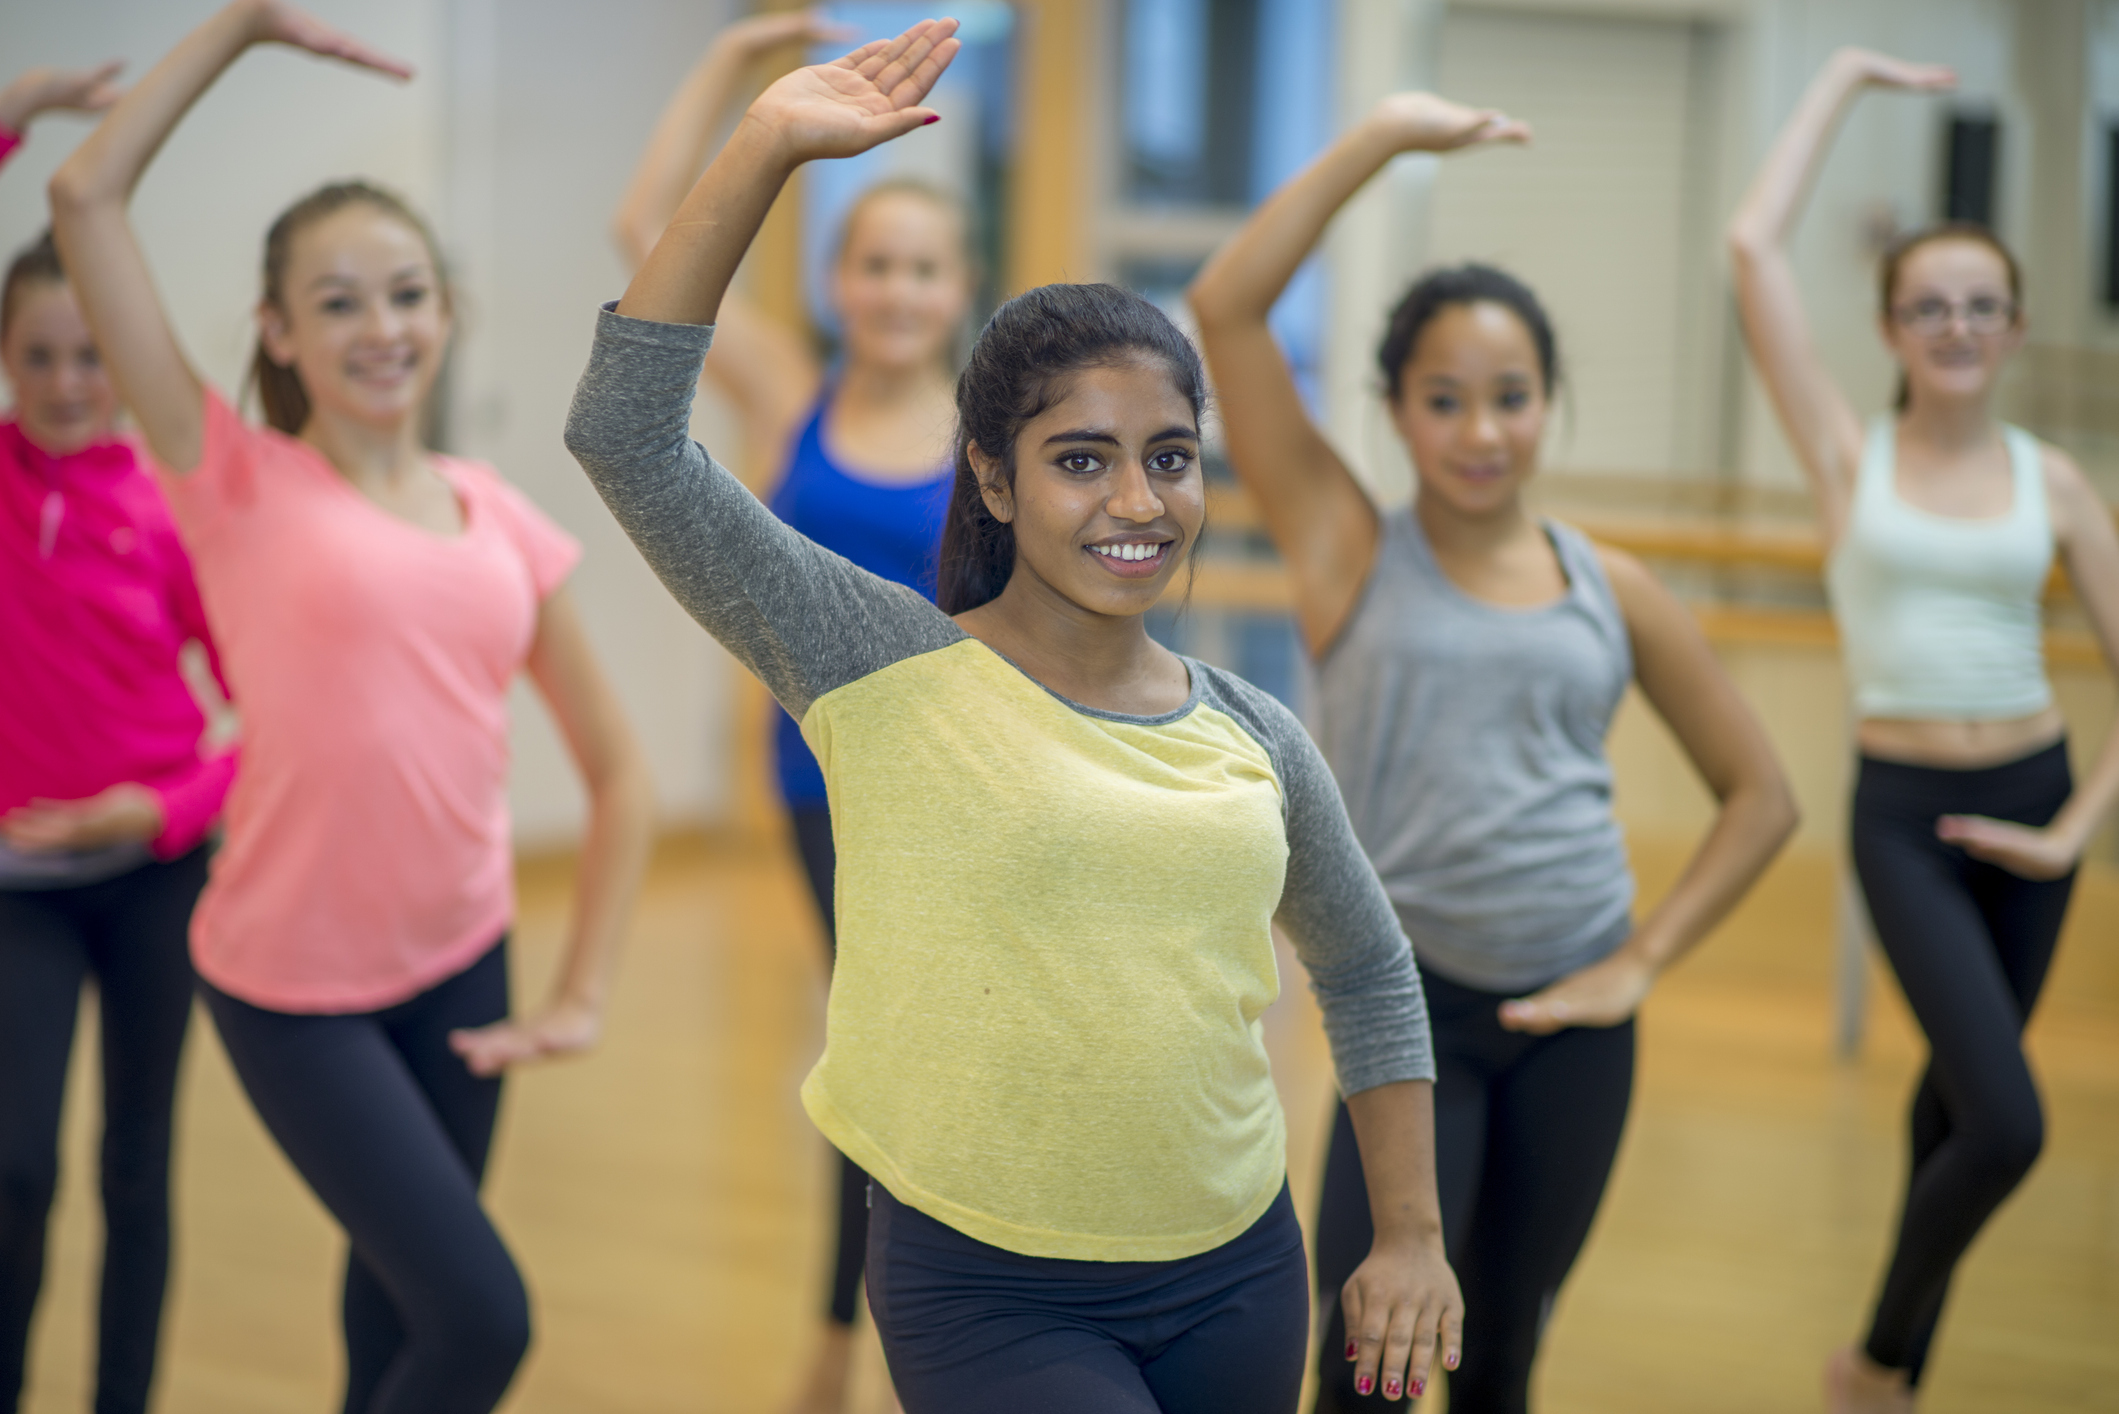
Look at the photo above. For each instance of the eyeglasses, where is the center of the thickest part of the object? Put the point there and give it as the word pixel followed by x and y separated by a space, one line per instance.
pixel 1982 314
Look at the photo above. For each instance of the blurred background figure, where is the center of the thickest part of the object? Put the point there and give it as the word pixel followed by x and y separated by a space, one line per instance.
pixel 855 451
pixel 107 791
pixel 374 602
pixel 1941 525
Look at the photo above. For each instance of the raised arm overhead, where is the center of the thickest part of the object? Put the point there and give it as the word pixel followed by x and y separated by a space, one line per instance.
pixel 1317 513
pixel 90 192
pixel 1819 421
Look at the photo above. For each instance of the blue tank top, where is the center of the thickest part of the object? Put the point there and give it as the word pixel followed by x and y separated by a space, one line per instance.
pixel 893 530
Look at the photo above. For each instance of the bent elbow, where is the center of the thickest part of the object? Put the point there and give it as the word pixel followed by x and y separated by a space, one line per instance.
pixel 69 191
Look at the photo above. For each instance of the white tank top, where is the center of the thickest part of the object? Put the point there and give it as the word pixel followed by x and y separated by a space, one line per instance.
pixel 1939 615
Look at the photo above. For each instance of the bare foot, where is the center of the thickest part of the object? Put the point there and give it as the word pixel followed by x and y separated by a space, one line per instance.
pixel 830 1369
pixel 1855 1384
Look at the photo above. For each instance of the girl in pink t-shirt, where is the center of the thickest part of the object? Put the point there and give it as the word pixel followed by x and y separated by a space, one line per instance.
pixel 372 601
pixel 105 797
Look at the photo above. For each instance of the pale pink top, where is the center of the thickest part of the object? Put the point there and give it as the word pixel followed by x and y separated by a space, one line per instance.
pixel 96 599
pixel 367 853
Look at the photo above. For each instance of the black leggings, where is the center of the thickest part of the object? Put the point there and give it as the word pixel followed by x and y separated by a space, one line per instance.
pixel 1970 943
pixel 820 861
pixel 1526 1129
pixel 130 934
pixel 391 1129
pixel 970 1327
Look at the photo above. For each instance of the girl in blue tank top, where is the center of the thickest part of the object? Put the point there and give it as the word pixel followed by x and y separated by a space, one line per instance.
pixel 1469 658
pixel 857 458
pixel 888 529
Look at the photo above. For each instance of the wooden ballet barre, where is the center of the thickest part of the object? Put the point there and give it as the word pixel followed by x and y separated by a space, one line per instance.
pixel 1699 541
pixel 1261 587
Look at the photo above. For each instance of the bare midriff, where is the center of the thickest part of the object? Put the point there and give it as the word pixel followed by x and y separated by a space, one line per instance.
pixel 1958 745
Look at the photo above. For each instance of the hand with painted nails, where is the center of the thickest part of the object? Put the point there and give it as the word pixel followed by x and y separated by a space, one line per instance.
pixel 857 102
pixel 1400 1306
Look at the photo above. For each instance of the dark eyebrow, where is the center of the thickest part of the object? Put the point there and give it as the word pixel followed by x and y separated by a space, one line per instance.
pixel 405 273
pixel 1083 434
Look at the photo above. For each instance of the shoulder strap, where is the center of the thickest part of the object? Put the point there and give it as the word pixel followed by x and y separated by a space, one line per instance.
pixel 2027 470
pixel 1879 455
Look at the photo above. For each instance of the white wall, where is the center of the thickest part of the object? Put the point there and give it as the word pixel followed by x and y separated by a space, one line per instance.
pixel 1883 174
pixel 515 139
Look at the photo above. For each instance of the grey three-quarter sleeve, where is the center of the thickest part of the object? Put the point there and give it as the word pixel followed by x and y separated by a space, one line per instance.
pixel 1333 907
pixel 803 619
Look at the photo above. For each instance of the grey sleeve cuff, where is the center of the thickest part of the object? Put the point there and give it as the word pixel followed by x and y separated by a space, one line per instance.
pixel 802 618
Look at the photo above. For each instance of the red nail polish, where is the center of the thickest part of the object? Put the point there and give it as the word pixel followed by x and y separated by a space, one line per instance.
pixel 1352 1349
pixel 1449 1361
pixel 1364 1385
pixel 930 118
pixel 1390 1388
pixel 1419 1388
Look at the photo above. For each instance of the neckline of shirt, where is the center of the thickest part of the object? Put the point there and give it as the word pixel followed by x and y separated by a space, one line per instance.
pixel 1194 678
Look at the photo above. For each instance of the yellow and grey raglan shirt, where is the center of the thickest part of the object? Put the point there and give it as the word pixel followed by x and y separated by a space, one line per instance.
pixel 1054 923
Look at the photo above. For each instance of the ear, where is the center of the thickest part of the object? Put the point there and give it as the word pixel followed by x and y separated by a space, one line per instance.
pixel 993 487
pixel 274 334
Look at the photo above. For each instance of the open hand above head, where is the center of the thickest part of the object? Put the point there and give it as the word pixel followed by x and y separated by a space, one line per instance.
pixel 47 90
pixel 854 103
pixel 1886 71
pixel 277 23
pixel 2027 851
pixel 759 34
pixel 1426 122
pixel 1605 993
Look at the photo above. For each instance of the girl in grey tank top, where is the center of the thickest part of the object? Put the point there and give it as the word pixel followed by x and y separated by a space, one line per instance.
pixel 1469 660
pixel 1468 740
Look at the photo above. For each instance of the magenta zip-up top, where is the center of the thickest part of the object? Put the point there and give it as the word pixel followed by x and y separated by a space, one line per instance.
pixel 96 601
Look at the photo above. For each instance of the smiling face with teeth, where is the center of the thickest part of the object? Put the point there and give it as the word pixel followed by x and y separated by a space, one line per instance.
pixel 1106 495
pixel 364 318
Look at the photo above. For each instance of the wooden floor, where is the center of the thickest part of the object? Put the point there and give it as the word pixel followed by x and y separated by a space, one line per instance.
pixel 666 1197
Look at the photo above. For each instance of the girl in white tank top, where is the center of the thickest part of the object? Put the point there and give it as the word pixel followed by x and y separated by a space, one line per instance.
pixel 1967 825
pixel 1939 615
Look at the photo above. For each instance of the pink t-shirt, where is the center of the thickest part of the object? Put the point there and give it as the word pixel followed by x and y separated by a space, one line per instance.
pixel 367 854
pixel 96 599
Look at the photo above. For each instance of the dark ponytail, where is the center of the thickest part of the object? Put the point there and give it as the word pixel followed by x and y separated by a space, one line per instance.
pixel 1463 284
pixel 35 264
pixel 281 396
pixel 1018 369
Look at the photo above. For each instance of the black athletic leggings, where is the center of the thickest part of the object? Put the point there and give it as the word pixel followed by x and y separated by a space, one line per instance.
pixel 1970 943
pixel 390 1129
pixel 130 934
pixel 820 861
pixel 1526 1128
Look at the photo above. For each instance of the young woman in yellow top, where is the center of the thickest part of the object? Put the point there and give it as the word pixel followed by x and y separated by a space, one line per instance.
pixel 1062 848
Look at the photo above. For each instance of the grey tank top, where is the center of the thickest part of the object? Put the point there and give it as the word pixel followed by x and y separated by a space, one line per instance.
pixel 1468 740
